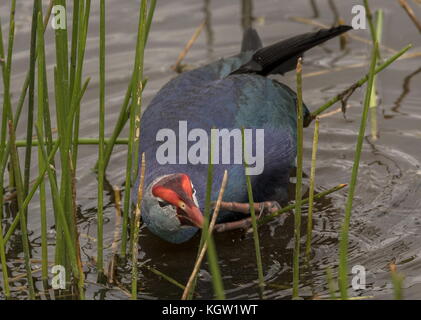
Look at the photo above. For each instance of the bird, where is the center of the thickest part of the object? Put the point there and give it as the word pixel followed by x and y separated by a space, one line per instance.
pixel 230 93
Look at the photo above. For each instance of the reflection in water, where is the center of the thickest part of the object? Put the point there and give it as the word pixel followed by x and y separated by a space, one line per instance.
pixel 335 11
pixel 247 14
pixel 315 8
pixel 208 27
pixel 406 89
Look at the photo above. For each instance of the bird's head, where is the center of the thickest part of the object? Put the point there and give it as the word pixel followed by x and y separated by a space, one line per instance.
pixel 172 209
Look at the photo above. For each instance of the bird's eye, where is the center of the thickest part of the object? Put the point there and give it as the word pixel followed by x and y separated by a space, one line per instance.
pixel 163 204
pixel 194 191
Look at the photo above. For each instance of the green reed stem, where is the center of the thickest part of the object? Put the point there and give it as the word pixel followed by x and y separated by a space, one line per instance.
pixel 3 261
pixel 298 186
pixel 77 10
pixel 37 6
pixel 62 95
pixel 135 111
pixel 290 207
pixel 206 213
pixel 373 33
pixel 81 141
pixel 121 122
pixel 25 87
pixel 2 57
pixel 135 237
pixel 31 193
pixel 40 121
pixel 359 83
pixel 311 191
pixel 125 110
pixel 101 173
pixel 373 100
pixel 218 286
pixel 137 93
pixel 343 249
pixel 82 36
pixel 22 95
pixel 331 284
pixel 6 113
pixel 3 256
pixel 253 222
pixel 217 283
pixel 207 230
pixel 397 282
pixel 62 217
pixel 23 225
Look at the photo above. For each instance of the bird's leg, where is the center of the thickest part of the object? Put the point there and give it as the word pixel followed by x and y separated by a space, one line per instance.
pixel 262 207
pixel 244 224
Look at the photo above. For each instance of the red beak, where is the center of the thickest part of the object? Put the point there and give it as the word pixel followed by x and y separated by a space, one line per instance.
pixel 190 215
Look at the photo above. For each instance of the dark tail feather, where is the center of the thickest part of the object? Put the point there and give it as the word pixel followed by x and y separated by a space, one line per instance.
pixel 282 56
pixel 251 41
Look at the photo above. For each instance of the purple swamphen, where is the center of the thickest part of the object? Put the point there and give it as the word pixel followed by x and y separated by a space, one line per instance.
pixel 228 94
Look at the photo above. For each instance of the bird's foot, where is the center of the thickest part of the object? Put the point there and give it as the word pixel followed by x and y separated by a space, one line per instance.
pixel 262 208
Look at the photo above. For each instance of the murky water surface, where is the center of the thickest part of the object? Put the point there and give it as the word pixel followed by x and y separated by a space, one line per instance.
pixel 386 223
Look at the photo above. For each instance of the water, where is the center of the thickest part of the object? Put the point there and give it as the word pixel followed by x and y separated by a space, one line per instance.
pixel 385 224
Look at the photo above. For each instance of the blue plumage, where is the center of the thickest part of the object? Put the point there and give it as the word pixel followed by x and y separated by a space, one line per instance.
pixel 216 96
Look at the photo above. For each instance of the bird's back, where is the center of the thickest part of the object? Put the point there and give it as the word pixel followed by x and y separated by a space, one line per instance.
pixel 208 98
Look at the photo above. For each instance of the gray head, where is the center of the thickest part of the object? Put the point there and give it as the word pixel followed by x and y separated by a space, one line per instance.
pixel 171 209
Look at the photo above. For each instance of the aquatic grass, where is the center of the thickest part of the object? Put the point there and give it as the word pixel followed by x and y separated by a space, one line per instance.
pixel 218 286
pixel 178 67
pixel 116 238
pixel 56 202
pixel 164 276
pixel 6 148
pixel 40 123
pixel 77 10
pixel 61 216
pixel 207 234
pixel 15 169
pixel 343 246
pixel 125 110
pixel 331 284
pixel 3 262
pixel 62 103
pixel 373 32
pixel 82 37
pixel 397 281
pixel 31 193
pixel 101 144
pixel 374 98
pixel 359 83
pixel 206 213
pixel 81 141
pixel 254 223
pixel 68 102
pixel 6 64
pixel 298 185
pixel 37 5
pixel 411 14
pixel 134 130
pixel 136 224
pixel 311 188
